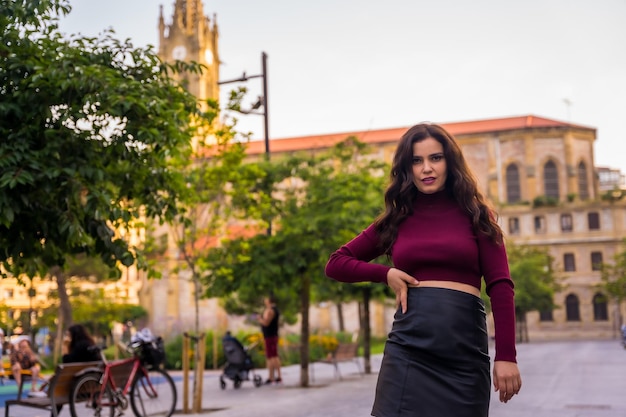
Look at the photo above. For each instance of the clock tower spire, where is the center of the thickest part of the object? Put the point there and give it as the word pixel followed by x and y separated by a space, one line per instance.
pixel 191 36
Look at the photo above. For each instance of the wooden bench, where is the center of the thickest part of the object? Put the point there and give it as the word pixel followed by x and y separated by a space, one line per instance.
pixel 345 352
pixel 58 388
pixel 7 372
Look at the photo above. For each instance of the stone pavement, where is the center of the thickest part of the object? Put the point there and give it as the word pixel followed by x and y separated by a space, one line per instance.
pixel 560 379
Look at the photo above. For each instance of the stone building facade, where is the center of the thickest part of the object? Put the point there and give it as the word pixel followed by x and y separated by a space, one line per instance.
pixel 541 176
pixel 539 173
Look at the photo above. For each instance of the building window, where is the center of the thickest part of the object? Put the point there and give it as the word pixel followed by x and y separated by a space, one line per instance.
pixel 572 308
pixel 540 224
pixel 593 219
pixel 513 191
pixel 600 310
pixel 513 226
pixel 583 183
pixel 551 180
pixel 545 315
pixel 567 224
pixel 8 293
pixel 596 261
pixel 569 262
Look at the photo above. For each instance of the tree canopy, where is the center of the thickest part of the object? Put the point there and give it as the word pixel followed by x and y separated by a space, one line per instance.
pixel 535 281
pixel 614 275
pixel 318 203
pixel 93 132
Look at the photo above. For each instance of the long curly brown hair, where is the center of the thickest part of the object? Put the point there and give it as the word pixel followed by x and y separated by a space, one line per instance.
pixel 460 184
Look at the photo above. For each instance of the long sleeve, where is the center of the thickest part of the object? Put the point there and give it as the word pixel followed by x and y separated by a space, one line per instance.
pixel 503 309
pixel 351 262
pixel 500 289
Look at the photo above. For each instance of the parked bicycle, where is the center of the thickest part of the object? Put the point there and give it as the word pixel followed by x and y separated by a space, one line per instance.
pixel 139 381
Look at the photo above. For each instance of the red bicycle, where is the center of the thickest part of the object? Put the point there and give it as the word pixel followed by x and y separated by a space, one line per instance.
pixel 138 380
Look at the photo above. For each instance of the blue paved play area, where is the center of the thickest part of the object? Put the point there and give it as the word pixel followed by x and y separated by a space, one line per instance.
pixel 8 390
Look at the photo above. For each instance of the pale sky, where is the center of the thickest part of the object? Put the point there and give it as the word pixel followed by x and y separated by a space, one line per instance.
pixel 346 65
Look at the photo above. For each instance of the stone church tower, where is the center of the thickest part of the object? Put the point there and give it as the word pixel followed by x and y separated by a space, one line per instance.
pixel 191 36
pixel 169 300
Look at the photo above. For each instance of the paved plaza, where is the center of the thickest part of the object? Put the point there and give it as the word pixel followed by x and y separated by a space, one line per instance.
pixel 560 379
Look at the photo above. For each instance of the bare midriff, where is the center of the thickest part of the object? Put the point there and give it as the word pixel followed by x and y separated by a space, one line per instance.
pixel 450 285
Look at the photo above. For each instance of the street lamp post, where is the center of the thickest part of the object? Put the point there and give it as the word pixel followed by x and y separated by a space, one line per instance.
pixel 262 102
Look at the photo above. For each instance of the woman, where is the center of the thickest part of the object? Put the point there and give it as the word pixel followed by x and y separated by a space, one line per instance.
pixel 79 346
pixel 24 359
pixel 269 325
pixel 442 238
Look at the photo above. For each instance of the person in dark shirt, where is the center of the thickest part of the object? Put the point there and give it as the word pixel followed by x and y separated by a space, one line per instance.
pixel 79 346
pixel 269 325
pixel 443 240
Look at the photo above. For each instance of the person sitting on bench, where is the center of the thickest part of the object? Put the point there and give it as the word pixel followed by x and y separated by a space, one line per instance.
pixel 79 346
pixel 24 359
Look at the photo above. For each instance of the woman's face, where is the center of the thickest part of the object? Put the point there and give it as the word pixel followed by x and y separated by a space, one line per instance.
pixel 429 166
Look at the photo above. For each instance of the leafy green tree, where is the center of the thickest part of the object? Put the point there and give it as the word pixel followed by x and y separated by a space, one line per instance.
pixel 535 281
pixel 320 203
pixel 340 209
pixel 213 180
pixel 94 308
pixel 93 136
pixel 614 277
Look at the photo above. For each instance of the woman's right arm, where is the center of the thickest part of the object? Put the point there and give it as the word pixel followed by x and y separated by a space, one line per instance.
pixel 351 262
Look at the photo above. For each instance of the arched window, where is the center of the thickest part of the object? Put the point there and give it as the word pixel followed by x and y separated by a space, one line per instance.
pixel 600 310
pixel 513 191
pixel 572 308
pixel 583 183
pixel 551 180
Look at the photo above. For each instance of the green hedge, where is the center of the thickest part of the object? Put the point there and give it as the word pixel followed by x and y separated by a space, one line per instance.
pixel 288 347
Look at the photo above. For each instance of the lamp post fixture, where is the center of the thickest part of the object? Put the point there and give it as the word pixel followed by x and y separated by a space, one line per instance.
pixel 261 102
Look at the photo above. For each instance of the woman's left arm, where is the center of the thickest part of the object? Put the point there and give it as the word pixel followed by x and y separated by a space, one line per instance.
pixel 500 289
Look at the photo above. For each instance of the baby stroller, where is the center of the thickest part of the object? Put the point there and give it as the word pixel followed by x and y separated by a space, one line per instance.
pixel 238 366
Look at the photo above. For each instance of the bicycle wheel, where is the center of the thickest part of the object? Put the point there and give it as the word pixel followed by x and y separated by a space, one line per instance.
pixel 153 394
pixel 85 397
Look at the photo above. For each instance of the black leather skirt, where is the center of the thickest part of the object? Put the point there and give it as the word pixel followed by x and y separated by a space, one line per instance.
pixel 436 360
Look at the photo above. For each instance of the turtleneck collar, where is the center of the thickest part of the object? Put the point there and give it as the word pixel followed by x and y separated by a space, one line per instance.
pixel 428 201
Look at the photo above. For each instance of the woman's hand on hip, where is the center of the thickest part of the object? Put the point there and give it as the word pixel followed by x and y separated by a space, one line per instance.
pixel 399 281
pixel 506 379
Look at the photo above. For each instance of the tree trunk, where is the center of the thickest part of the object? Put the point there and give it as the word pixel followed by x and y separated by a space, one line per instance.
pixel 305 300
pixel 200 347
pixel 65 310
pixel 526 338
pixel 366 330
pixel 521 327
pixel 196 300
pixel 340 319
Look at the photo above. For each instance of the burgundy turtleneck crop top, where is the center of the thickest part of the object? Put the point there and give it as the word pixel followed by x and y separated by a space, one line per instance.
pixel 437 242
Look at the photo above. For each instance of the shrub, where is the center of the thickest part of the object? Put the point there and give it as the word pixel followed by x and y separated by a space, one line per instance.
pixel 545 201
